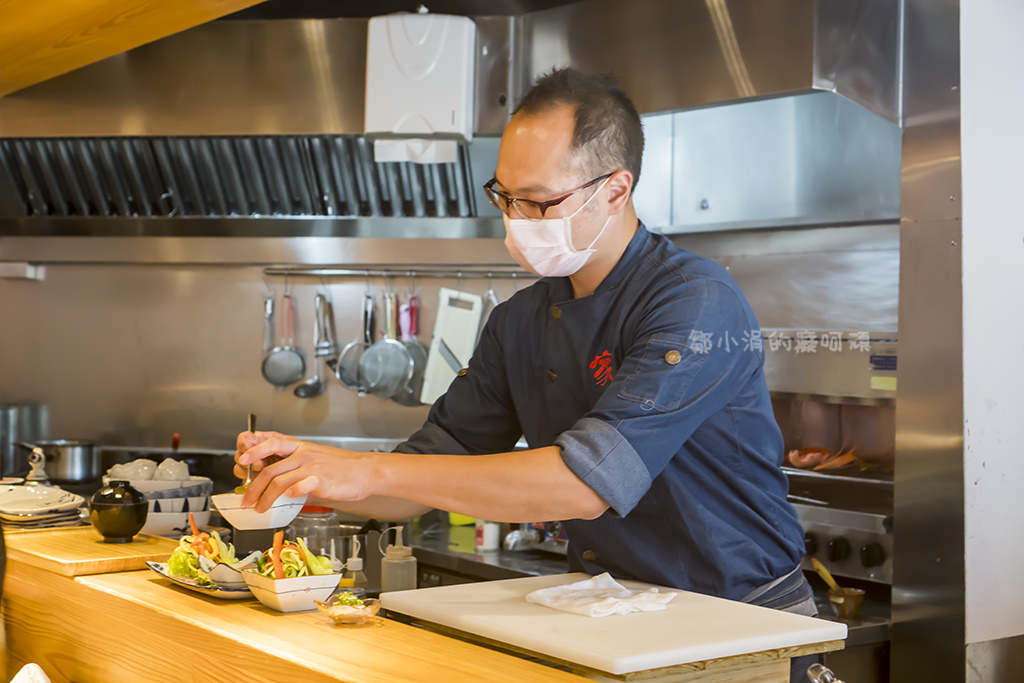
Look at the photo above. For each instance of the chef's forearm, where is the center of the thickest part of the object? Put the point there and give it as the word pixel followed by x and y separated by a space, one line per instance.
pixel 528 486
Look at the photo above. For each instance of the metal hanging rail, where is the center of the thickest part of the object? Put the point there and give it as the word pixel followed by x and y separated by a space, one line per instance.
pixel 474 272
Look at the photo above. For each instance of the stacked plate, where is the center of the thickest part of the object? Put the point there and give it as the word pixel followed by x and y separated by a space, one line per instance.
pixel 32 507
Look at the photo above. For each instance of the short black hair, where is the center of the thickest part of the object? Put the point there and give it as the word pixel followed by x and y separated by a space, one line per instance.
pixel 609 135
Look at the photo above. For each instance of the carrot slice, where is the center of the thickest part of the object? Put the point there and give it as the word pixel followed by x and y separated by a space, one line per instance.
pixel 192 523
pixel 275 557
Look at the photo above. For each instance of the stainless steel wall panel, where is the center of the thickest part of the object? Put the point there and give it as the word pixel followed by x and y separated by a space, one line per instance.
pixel 140 290
pixel 159 350
pixel 844 374
pixel 844 278
pixel 928 589
pixel 222 78
pixel 852 40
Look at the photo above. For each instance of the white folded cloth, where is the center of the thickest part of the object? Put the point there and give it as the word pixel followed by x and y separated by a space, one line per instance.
pixel 31 673
pixel 600 596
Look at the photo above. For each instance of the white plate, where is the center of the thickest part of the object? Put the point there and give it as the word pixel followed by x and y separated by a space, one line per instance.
pixel 45 525
pixel 215 591
pixel 22 500
pixel 44 516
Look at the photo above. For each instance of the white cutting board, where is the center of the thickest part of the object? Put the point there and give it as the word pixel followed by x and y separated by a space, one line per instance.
pixel 458 319
pixel 692 628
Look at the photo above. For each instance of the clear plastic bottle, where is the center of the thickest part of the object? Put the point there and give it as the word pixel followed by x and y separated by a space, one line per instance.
pixel 398 568
pixel 354 569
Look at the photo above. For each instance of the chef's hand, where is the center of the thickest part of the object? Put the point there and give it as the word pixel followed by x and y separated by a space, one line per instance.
pixel 247 440
pixel 293 468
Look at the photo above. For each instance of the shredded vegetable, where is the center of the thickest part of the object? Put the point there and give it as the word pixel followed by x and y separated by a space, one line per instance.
pixel 288 559
pixel 184 561
pixel 348 599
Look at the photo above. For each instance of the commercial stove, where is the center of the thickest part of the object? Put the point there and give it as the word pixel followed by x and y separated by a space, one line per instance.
pixel 847 522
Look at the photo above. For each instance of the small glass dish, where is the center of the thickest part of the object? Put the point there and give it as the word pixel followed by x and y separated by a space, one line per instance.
pixel 349 614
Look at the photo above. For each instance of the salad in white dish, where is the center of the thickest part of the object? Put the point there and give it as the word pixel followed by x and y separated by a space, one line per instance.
pixel 184 561
pixel 290 559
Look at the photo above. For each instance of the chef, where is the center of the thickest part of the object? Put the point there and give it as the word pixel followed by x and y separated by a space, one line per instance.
pixel 633 368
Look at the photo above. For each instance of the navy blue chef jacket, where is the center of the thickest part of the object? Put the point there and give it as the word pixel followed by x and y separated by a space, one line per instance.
pixel 653 387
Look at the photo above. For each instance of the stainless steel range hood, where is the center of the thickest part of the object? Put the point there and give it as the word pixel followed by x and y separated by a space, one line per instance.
pixel 227 177
pixel 262 120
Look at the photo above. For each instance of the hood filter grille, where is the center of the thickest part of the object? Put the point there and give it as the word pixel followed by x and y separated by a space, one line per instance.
pixel 226 177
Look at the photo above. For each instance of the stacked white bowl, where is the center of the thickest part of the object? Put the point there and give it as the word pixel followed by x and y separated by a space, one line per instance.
pixel 170 500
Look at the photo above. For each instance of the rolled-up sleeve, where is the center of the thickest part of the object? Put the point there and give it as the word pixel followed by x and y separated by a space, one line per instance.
pixel 673 377
pixel 476 415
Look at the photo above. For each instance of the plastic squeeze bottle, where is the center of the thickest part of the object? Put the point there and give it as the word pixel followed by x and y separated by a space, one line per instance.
pixel 354 569
pixel 398 568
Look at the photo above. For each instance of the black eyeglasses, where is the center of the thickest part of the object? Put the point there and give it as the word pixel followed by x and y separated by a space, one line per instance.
pixel 527 208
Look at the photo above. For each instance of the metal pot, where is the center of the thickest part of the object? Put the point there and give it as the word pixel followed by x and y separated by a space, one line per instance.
pixel 26 422
pixel 70 461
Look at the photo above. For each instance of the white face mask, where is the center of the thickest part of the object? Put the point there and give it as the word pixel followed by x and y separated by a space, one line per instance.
pixel 545 247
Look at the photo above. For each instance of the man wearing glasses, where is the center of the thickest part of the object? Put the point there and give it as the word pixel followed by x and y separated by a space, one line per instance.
pixel 658 449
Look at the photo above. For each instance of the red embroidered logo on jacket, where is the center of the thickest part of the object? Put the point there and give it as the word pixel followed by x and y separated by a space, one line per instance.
pixel 602 367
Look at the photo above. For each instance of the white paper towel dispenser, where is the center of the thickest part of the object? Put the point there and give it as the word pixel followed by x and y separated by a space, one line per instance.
pixel 419 86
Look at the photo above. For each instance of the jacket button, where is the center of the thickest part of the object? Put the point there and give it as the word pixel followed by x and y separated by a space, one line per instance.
pixel 589 555
pixel 462 373
pixel 673 357
pixel 556 312
pixel 550 375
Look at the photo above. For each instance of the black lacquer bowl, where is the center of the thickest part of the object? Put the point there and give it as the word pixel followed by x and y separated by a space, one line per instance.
pixel 118 511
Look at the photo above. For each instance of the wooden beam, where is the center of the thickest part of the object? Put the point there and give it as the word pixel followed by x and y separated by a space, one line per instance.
pixel 40 40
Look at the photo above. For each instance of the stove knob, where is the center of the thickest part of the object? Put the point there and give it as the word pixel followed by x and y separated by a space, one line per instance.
pixel 810 543
pixel 872 555
pixel 838 549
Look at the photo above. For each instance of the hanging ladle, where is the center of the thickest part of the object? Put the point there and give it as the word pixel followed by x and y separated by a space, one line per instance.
pixel 314 386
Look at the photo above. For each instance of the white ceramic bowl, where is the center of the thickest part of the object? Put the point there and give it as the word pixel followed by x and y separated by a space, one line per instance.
pixel 230 575
pixel 152 485
pixel 291 595
pixel 173 524
pixel 195 504
pixel 278 516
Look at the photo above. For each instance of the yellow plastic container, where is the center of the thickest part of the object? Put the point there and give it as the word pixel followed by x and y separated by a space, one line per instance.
pixel 460 520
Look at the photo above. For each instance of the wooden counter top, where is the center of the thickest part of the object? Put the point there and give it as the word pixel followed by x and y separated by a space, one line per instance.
pixel 80 550
pixel 137 626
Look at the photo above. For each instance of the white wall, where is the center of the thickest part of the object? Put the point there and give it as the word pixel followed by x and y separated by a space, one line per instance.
pixel 992 110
